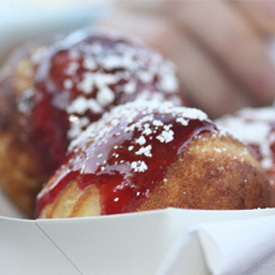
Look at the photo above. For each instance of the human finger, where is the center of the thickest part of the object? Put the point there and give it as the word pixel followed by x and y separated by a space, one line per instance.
pixel 226 34
pixel 205 82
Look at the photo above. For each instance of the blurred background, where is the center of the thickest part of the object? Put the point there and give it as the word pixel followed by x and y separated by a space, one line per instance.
pixel 25 20
pixel 223 49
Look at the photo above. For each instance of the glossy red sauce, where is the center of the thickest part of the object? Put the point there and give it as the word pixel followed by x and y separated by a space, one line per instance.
pixel 121 188
pixel 50 121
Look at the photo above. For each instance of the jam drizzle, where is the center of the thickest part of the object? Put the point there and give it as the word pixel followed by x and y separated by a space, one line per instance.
pixel 86 74
pixel 128 157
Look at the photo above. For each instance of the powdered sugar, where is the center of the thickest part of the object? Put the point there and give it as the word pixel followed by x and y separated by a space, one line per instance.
pixel 139 166
pixel 141 140
pixel 105 96
pixel 150 124
pixel 72 68
pixel 145 150
pixel 104 65
pixel 68 84
pixel 81 104
pixel 166 136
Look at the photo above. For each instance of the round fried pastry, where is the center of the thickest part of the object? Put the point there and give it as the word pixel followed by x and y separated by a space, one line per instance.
pixel 50 93
pixel 256 128
pixel 146 155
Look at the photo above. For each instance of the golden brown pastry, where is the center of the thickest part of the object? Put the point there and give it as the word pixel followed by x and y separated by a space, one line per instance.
pixel 256 128
pixel 50 93
pixel 147 155
pixel 21 174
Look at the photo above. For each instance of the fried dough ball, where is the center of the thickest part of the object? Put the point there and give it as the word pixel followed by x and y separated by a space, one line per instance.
pixel 146 155
pixel 256 128
pixel 50 93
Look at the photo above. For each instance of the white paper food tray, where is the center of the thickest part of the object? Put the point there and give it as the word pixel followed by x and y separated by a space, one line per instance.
pixel 137 243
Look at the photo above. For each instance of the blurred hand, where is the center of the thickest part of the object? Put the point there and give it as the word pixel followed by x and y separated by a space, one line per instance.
pixel 220 47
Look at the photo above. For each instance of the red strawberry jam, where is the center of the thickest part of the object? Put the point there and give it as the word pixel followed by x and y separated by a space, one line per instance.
pixel 86 74
pixel 127 153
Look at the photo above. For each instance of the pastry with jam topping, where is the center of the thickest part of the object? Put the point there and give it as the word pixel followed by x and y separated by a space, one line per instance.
pixel 50 93
pixel 145 155
pixel 256 128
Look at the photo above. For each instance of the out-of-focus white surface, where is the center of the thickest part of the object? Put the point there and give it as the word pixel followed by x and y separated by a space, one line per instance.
pixel 27 20
pixel 162 242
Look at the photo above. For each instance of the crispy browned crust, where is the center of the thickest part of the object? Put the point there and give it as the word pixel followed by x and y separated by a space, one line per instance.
pixel 212 173
pixel 20 177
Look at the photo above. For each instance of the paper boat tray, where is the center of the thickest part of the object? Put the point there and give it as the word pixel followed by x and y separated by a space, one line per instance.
pixel 153 242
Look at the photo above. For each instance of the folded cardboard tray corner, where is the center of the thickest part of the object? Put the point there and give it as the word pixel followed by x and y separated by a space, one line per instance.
pixel 167 241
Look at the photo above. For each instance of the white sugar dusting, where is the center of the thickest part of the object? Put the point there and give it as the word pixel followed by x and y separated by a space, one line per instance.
pixel 166 136
pixel 146 151
pixel 145 76
pixel 86 85
pixel 81 104
pixel 130 148
pixel 182 121
pixel 147 131
pixel 102 73
pixel 142 117
pixel 122 67
pixel 130 87
pixel 89 63
pixel 132 109
pixel 169 84
pixel 105 96
pixel 139 166
pixel 157 123
pixel 72 68
pixel 141 140
pixel 77 126
pixel 68 84
pixel 115 122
